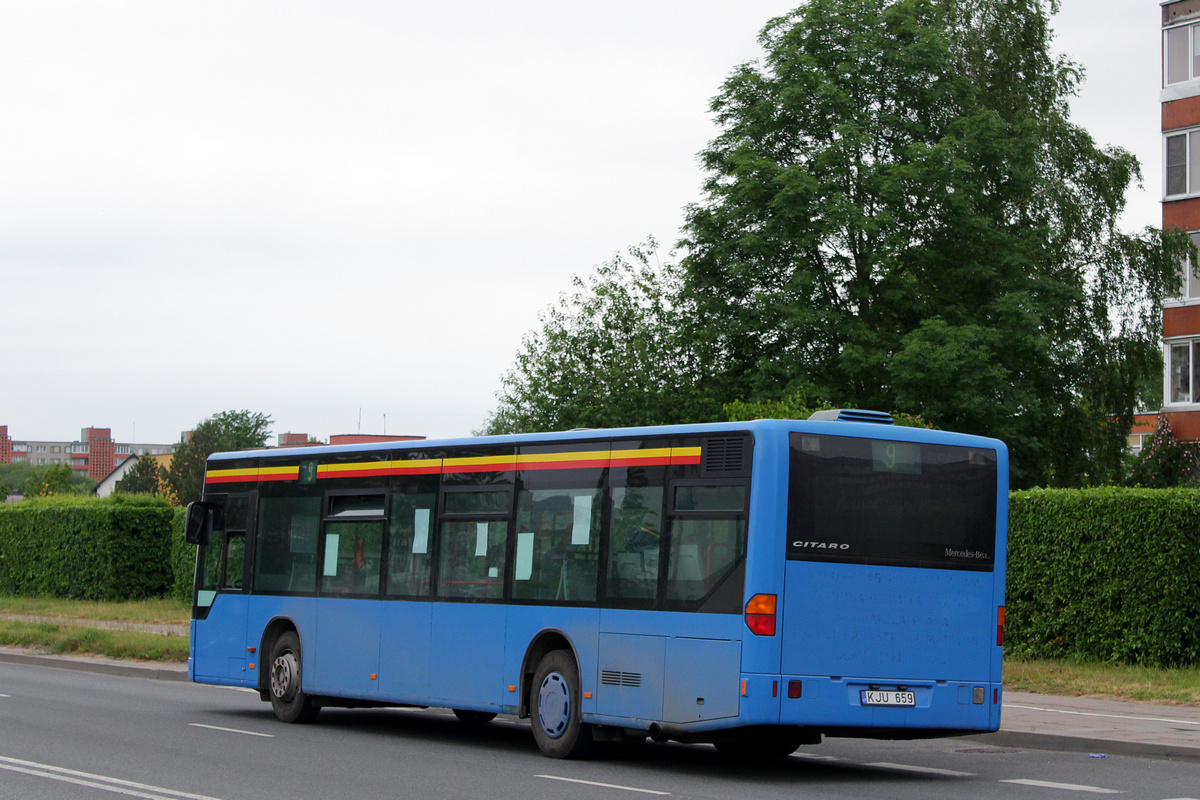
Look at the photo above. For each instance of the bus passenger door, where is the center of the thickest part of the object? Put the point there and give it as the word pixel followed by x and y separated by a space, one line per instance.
pixel 345 658
pixel 223 577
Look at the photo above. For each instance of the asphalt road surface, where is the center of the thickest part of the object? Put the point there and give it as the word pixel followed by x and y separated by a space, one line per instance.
pixel 75 736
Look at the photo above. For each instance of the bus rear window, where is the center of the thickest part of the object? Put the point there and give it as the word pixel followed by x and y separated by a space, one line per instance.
pixel 874 501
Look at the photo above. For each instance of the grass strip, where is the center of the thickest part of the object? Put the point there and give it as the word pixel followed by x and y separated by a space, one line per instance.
pixel 155 610
pixel 1179 686
pixel 76 640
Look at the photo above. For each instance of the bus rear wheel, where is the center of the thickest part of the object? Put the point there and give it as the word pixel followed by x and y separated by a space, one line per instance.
pixel 288 700
pixel 554 708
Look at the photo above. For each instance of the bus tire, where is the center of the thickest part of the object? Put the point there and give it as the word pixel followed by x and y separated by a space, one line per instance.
pixel 288 700
pixel 473 717
pixel 554 708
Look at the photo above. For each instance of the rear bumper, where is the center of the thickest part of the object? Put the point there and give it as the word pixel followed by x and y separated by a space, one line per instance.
pixel 836 704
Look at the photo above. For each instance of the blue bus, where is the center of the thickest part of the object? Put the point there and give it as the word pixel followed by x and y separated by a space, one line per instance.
pixel 754 585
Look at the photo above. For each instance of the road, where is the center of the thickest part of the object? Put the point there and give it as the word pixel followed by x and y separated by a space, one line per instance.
pixel 82 736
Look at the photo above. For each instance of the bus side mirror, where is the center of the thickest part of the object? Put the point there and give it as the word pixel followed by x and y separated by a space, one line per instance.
pixel 196 527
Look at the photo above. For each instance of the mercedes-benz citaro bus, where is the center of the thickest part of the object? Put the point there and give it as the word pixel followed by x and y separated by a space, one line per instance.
pixel 756 585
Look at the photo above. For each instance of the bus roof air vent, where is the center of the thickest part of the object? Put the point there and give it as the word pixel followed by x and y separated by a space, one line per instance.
pixel 853 415
pixel 725 455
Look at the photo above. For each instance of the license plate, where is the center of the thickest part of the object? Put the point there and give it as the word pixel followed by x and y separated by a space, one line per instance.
pixel 873 698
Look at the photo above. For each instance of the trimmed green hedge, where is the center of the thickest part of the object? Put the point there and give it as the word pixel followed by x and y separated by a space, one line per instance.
pixel 116 548
pixel 1105 574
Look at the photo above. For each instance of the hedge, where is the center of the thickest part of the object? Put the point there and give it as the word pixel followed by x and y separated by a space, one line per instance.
pixel 116 548
pixel 1105 574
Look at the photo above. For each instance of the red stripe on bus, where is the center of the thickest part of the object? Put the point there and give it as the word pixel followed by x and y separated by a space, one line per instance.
pixel 574 464
pixel 637 462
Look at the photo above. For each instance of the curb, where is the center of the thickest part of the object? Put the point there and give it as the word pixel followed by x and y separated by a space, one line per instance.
pixel 1079 744
pixel 84 664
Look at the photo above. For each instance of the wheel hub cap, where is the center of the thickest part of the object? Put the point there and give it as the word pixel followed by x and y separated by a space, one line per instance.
pixel 554 705
pixel 283 676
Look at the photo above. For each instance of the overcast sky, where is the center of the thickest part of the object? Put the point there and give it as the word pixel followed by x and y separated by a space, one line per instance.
pixel 333 211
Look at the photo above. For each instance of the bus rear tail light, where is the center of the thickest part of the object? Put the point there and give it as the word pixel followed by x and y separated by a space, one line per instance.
pixel 760 615
pixel 1000 627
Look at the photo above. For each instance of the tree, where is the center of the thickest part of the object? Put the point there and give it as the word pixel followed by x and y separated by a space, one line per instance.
pixel 900 215
pixel 226 431
pixel 619 350
pixel 144 477
pixel 56 479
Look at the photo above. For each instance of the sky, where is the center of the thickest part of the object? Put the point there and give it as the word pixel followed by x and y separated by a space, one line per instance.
pixel 346 215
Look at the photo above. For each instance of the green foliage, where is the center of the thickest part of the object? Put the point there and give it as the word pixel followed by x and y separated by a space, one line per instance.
pixel 1105 574
pixel 621 349
pixel 226 431
pixel 900 214
pixel 14 475
pixel 115 548
pixel 144 477
pixel 1165 461
pixel 795 406
pixel 56 479
pixel 183 560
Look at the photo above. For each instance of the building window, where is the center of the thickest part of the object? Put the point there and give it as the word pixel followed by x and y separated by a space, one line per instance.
pixel 1189 277
pixel 1182 62
pixel 1184 371
pixel 1182 159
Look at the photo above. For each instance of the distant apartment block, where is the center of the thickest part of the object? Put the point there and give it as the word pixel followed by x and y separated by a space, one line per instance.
pixel 1180 99
pixel 94 454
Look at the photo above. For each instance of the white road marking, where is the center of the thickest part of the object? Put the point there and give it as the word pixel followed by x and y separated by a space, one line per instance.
pixel 929 770
pixel 231 730
pixel 815 757
pixel 93 781
pixel 5 695
pixel 1096 714
pixel 604 785
pixel 1070 787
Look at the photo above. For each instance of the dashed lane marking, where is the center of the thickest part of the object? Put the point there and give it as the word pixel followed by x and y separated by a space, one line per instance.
pixel 925 770
pixel 1070 787
pixel 604 785
pixel 231 730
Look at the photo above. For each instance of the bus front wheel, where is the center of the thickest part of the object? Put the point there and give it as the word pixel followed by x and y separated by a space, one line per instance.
pixel 288 700
pixel 557 727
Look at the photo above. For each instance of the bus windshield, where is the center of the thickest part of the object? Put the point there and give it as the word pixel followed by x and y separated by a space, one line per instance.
pixel 885 502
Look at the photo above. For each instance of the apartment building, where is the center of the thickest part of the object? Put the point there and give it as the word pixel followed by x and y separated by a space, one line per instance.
pixel 94 454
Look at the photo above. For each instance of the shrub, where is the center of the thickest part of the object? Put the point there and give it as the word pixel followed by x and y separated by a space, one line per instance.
pixel 115 548
pixel 1105 574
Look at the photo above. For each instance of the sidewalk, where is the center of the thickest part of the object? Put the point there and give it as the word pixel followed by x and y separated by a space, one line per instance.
pixel 1046 722
pixel 1033 721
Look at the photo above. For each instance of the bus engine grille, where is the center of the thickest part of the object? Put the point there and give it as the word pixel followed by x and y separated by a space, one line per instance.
pixel 610 677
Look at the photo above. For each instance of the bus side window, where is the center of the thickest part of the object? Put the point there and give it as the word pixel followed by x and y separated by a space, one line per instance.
pixel 472 558
pixel 286 548
pixel 635 542
pixel 557 545
pixel 708 538
pixel 208 581
pixel 410 532
pixel 235 562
